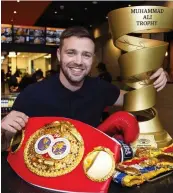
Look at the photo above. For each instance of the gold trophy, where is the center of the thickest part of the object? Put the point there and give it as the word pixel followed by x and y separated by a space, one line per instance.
pixel 140 58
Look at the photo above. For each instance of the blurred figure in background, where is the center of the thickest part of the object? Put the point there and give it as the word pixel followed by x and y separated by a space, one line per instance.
pixel 8 76
pixel 104 74
pixel 2 81
pixel 39 75
pixel 50 73
pixel 14 81
pixel 26 80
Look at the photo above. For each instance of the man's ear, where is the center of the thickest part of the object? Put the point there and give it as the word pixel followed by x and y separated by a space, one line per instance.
pixel 58 54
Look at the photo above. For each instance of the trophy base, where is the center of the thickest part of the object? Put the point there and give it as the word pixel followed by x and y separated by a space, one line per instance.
pixel 153 140
pixel 152 134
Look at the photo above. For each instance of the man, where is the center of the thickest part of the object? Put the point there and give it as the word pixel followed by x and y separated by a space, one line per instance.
pixel 39 75
pixel 104 74
pixel 2 81
pixel 14 81
pixel 71 93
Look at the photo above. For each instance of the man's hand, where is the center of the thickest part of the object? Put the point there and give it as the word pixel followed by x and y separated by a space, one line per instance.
pixel 161 80
pixel 14 121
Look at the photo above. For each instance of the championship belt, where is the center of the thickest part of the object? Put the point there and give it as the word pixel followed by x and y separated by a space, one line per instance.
pixel 65 155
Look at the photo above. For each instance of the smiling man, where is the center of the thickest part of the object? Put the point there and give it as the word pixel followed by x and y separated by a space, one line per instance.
pixel 71 93
pixel 76 57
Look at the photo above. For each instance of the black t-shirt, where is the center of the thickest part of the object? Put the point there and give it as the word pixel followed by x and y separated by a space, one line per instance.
pixel 50 98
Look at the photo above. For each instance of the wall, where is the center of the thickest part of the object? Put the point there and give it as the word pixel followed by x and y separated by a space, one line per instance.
pixel 164 106
pixel 4 65
pixel 171 60
pixel 110 58
pixel 40 63
pixel 105 51
pixel 97 57
pixel 22 63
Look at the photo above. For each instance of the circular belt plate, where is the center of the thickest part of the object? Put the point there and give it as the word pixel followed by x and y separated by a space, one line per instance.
pixel 54 150
pixel 99 164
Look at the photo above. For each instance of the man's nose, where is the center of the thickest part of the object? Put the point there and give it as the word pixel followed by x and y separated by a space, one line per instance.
pixel 78 59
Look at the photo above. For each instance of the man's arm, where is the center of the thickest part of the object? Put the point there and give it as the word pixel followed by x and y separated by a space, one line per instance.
pixel 120 99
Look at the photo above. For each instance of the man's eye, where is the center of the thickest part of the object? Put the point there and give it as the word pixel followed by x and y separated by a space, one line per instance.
pixel 70 53
pixel 87 55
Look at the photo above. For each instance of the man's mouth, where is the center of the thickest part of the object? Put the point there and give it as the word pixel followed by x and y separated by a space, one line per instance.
pixel 76 71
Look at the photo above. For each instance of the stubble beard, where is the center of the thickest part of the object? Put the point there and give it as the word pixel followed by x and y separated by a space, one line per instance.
pixel 72 79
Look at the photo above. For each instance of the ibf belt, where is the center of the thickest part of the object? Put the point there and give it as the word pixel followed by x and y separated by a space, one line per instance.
pixel 62 150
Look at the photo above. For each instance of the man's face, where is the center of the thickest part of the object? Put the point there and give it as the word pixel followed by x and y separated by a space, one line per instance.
pixel 76 58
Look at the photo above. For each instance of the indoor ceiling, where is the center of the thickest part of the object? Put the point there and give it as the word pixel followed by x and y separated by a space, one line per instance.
pixel 22 12
pixel 24 54
pixel 61 13
pixel 30 55
pixel 85 13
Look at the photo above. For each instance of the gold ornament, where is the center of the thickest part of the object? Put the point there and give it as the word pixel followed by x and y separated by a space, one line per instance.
pixel 99 165
pixel 140 59
pixel 54 150
pixel 16 141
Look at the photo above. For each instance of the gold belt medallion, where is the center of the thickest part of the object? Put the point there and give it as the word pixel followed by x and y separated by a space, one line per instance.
pixel 99 164
pixel 54 150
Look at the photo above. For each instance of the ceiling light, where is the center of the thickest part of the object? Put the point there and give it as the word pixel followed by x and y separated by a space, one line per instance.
pixel 47 56
pixel 18 1
pixel 129 5
pixel 15 12
pixel 55 12
pixel 95 2
pixel 12 54
pixel 61 7
pixel 71 19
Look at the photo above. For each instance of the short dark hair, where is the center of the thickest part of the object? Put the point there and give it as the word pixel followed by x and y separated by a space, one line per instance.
pixel 77 31
pixel 102 66
pixel 39 73
pixel 18 73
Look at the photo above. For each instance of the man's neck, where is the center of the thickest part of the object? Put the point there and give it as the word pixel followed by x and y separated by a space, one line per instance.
pixel 69 85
